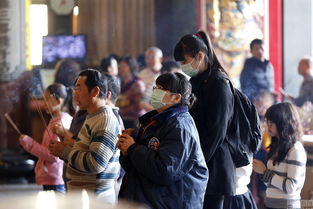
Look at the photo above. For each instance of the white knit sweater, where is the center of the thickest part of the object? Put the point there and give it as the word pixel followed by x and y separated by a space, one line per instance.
pixel 285 180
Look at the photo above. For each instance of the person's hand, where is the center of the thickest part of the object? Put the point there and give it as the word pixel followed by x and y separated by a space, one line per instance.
pixel 286 95
pixel 124 142
pixel 258 166
pixel 61 132
pixel 69 141
pixel 128 131
pixel 290 98
pixel 56 147
pixel 58 130
pixel 21 138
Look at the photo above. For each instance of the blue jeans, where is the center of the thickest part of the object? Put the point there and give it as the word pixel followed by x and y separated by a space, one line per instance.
pixel 58 188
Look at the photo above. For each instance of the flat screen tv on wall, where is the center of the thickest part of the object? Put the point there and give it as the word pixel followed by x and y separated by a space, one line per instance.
pixel 57 47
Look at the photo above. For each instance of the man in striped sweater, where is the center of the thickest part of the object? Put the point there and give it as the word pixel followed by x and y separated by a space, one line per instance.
pixel 93 161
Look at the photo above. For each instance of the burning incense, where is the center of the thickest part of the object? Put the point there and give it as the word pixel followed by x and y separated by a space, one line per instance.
pixel 41 115
pixel 6 115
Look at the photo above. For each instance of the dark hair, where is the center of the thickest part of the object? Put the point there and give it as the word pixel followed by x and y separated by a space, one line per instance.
pixel 287 121
pixel 66 72
pixel 95 78
pixel 114 86
pixel 107 62
pixel 177 83
pixel 254 42
pixel 141 61
pixel 167 66
pixel 192 44
pixel 58 91
pixel 132 63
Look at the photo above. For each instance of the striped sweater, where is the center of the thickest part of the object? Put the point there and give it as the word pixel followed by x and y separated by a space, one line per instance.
pixel 285 180
pixel 93 161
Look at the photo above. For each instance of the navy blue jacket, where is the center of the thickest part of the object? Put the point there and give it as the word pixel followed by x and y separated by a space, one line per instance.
pixel 257 76
pixel 165 168
pixel 212 113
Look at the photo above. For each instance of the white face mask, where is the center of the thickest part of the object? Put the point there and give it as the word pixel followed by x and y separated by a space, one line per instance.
pixel 157 98
pixel 189 70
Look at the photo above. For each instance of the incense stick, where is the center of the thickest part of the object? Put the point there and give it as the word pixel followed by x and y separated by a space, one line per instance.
pixel 48 105
pixel 54 97
pixel 41 115
pixel 6 115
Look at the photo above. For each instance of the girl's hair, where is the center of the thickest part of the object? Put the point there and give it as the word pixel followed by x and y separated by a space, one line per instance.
pixel 287 121
pixel 60 91
pixel 177 83
pixel 132 63
pixel 192 44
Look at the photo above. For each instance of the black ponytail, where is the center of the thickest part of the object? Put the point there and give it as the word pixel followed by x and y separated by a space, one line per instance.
pixel 58 91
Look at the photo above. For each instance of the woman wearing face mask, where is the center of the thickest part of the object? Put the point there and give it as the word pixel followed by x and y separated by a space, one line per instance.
pixel 212 113
pixel 165 166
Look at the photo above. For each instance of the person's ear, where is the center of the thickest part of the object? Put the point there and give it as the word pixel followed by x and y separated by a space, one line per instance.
pixel 95 91
pixel 59 101
pixel 200 56
pixel 109 95
pixel 176 98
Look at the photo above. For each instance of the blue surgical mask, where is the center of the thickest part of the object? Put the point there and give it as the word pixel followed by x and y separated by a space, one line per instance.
pixel 189 70
pixel 157 98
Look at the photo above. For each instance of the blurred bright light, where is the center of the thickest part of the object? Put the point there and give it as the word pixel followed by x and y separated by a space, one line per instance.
pixel 85 199
pixel 46 200
pixel 38 23
pixel 76 11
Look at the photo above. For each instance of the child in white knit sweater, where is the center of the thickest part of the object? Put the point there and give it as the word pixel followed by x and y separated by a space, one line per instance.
pixel 285 170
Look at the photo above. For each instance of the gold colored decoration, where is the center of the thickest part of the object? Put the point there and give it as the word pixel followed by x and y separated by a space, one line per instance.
pixel 232 25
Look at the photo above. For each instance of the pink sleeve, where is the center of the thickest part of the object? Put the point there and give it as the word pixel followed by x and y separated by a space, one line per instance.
pixel 40 151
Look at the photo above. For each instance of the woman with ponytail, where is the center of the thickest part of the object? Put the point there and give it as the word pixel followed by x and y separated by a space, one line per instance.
pixel 212 113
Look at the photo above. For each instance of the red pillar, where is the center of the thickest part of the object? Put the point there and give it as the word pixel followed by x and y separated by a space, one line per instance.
pixel 201 15
pixel 276 40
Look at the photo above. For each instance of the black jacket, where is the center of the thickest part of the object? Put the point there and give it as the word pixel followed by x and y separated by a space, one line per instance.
pixel 212 114
pixel 165 168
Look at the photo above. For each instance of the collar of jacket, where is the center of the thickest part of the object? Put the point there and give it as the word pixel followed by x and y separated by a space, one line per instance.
pixel 163 116
pixel 258 61
pixel 204 77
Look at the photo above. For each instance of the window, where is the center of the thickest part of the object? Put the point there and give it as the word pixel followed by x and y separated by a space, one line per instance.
pixel 38 27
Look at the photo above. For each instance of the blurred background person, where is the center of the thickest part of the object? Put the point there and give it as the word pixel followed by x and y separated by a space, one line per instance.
pixel 153 60
pixel 258 73
pixel 109 65
pixel 306 89
pixel 170 66
pixel 67 71
pixel 132 90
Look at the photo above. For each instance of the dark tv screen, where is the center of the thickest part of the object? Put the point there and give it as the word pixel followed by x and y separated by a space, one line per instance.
pixel 56 47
